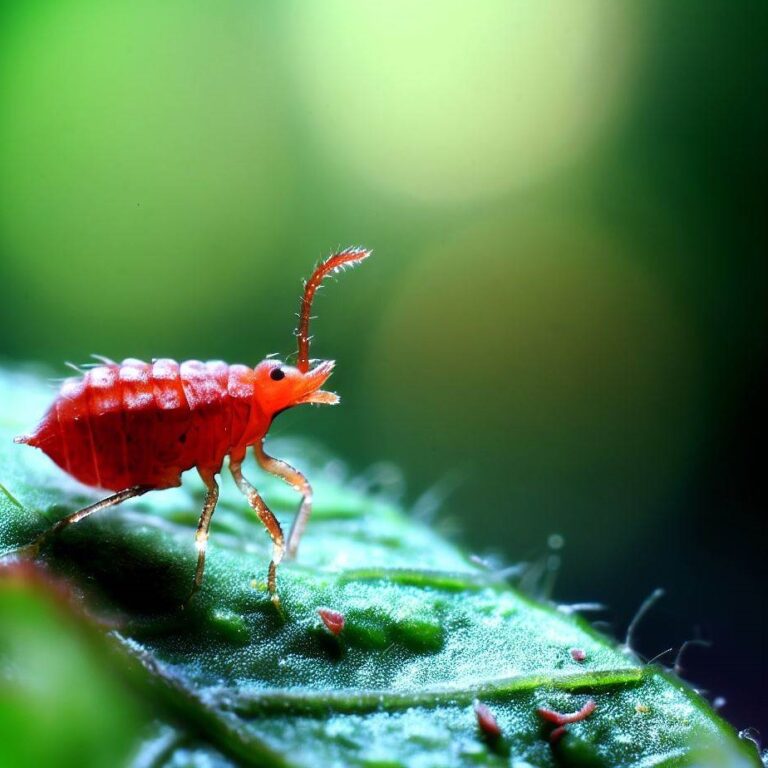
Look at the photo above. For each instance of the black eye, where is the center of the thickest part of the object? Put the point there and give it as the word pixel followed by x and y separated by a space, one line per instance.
pixel 276 374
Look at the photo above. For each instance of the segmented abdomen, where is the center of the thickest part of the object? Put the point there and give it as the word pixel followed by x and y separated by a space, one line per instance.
pixel 142 423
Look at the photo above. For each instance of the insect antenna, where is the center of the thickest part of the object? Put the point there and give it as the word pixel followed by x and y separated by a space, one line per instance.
pixel 332 264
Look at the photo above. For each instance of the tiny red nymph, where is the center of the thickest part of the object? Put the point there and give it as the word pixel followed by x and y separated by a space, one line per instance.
pixel 134 427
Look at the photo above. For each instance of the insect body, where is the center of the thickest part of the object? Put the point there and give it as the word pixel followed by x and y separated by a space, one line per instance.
pixel 134 427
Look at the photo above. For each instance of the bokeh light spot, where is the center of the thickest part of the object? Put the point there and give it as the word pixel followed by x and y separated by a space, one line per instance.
pixel 434 102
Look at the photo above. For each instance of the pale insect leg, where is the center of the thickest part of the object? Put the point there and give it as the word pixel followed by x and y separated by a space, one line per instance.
pixel 81 514
pixel 296 480
pixel 203 526
pixel 269 521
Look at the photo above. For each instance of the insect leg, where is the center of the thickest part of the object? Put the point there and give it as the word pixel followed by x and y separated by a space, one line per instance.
pixel 204 524
pixel 110 501
pixel 270 522
pixel 296 480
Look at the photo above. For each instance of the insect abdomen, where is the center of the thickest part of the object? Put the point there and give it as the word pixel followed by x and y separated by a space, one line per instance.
pixel 145 423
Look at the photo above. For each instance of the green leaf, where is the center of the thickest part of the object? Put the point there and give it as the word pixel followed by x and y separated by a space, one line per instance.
pixel 427 632
pixel 54 682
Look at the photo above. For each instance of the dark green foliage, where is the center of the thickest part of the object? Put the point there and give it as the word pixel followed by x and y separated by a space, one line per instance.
pixel 230 681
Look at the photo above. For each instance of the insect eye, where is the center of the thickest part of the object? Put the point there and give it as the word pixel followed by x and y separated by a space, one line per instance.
pixel 276 374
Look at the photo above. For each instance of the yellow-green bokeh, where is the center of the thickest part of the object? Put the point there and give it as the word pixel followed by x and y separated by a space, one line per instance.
pixel 454 105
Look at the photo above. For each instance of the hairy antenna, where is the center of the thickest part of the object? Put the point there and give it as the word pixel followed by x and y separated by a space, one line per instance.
pixel 332 264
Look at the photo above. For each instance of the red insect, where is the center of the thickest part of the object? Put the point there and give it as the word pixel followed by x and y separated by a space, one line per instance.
pixel 135 427
pixel 578 654
pixel 333 620
pixel 486 720
pixel 561 719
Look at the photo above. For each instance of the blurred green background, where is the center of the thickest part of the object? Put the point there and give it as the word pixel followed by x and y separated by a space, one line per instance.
pixel 563 328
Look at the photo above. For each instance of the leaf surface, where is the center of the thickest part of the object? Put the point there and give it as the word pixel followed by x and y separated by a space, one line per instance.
pixel 426 633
